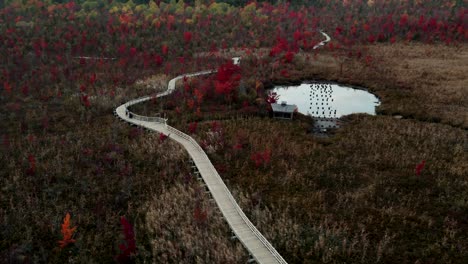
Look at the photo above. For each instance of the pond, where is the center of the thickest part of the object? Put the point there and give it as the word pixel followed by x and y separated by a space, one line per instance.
pixel 326 102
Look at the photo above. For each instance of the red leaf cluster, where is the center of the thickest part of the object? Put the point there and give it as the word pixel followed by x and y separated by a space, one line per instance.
pixel 284 73
pixel 158 60
pixel 227 79
pixel 128 248
pixel 133 52
pixel 289 56
pixel 420 167
pixel 192 127
pixel 200 215
pixel 164 49
pixel 7 87
pixel 93 79
pixel 162 137
pixel 237 146
pixel 85 100
pixel 187 36
pixel 272 98
pixel 122 49
pixel 32 165
pixel 403 20
pixel 261 158
pixel 215 126
pixel 281 45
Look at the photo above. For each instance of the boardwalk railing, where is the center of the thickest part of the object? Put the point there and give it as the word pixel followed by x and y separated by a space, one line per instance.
pixel 232 200
pixel 273 255
pixel 157 119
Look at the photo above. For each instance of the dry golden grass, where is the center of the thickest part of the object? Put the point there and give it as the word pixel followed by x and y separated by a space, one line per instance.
pixel 426 82
pixel 354 197
pixel 177 236
pixel 98 169
pixel 350 198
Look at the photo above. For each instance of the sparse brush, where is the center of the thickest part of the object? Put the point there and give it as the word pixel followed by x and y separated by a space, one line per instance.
pixel 196 231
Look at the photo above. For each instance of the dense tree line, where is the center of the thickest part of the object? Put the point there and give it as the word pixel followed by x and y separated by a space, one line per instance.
pixel 188 2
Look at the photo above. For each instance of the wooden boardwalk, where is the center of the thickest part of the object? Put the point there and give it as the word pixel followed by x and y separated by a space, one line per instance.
pixel 256 244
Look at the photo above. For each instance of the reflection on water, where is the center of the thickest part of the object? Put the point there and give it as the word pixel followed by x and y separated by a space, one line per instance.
pixel 326 102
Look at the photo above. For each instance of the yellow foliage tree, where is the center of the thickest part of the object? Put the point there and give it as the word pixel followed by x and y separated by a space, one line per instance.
pixel 248 13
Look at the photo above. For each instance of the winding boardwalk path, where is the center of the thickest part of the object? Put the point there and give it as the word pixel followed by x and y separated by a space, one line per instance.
pixel 324 42
pixel 256 244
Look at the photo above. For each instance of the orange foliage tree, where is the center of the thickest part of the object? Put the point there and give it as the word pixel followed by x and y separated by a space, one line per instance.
pixel 67 232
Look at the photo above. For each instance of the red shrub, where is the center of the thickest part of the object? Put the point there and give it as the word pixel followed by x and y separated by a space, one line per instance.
pixel 420 167
pixel 227 79
pixel 85 100
pixel 92 79
pixel 192 127
pixel 289 56
pixel 403 20
pixel 158 60
pixel 162 137
pixel 128 248
pixel 122 49
pixel 133 51
pixel 200 215
pixel 272 98
pixel 164 49
pixel 32 165
pixel 187 37
pixel 261 158
pixel 7 87
pixel 215 126
pixel 67 232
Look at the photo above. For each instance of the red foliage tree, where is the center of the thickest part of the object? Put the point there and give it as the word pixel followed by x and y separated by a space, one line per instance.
pixel 187 36
pixel 133 51
pixel 158 60
pixel 289 56
pixel 164 49
pixel 227 80
pixel 122 49
pixel 281 45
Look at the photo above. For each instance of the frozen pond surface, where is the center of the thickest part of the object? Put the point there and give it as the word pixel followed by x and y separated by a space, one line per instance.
pixel 327 100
